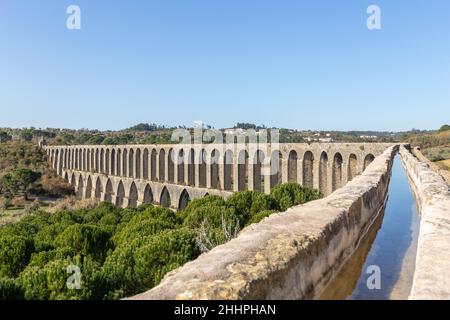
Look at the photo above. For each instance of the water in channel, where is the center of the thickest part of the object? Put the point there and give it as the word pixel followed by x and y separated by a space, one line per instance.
pixel 390 245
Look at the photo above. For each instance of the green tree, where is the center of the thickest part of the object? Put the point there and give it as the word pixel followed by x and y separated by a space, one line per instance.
pixel 20 180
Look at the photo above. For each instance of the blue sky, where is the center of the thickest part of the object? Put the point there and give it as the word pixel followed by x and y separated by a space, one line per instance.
pixel 297 64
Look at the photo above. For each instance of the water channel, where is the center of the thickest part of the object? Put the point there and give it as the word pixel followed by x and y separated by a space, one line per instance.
pixel 390 246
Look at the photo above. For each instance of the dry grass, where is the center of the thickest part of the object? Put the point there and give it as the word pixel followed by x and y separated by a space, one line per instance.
pixel 444 164
pixel 71 204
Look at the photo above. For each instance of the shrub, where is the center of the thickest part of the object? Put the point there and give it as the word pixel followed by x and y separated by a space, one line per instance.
pixel 86 240
pixel 260 216
pixel 249 203
pixel 291 194
pixel 15 252
pixel 10 289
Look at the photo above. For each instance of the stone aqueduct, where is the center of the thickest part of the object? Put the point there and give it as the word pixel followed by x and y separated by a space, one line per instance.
pixel 171 175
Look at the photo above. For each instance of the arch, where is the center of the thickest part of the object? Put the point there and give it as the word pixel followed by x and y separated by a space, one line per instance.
pixel 337 172
pixel 75 158
pixel 120 194
pixel 84 160
pixel 73 182
pixel 308 165
pixel 66 158
pixel 228 170
pixel 215 183
pixel 119 162
pixel 133 196
pixel 124 162
pixel 97 160
pixel 66 177
pixel 352 170
pixel 148 194
pixel 88 188
pixel 113 162
pixel 59 159
pixel 145 164
pixel 131 163
pixel 202 169
pixel 137 173
pixel 98 189
pixel 89 157
pixel 107 157
pixel 243 170
pixel 323 173
pixel 93 160
pixel 79 194
pixel 191 168
pixel 164 199
pixel 154 156
pixel 276 163
pixel 171 166
pixel 109 191
pixel 102 161
pixel 180 167
pixel 162 165
pixel 292 166
pixel 258 178
pixel 368 160
pixel 184 200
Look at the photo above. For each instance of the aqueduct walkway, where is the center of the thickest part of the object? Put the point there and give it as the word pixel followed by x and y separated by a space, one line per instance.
pixel 171 175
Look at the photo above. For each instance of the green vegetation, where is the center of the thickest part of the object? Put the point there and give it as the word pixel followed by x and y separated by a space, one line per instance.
pixel 121 252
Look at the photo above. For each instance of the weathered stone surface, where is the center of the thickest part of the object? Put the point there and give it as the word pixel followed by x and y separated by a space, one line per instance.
pixel 290 255
pixel 433 250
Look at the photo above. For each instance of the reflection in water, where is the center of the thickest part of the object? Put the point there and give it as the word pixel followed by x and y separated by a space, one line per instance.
pixel 390 244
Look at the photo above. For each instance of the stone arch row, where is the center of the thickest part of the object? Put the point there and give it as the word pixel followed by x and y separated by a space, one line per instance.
pixel 231 171
pixel 125 193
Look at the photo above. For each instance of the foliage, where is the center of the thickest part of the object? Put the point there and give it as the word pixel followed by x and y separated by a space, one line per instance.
pixel 290 194
pixel 121 252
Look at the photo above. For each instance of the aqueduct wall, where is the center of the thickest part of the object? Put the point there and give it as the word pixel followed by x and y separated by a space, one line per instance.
pixel 134 174
pixel 289 255
pixel 431 280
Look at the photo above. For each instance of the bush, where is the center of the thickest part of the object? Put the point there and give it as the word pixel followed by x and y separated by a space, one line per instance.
pixel 260 216
pixel 86 240
pixel 15 252
pixel 249 203
pixel 10 289
pixel 291 194
pixel 140 264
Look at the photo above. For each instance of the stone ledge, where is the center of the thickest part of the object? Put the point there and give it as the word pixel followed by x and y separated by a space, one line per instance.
pixel 431 280
pixel 290 255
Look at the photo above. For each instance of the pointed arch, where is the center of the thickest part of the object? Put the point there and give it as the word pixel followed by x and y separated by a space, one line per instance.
pixel 124 163
pixel 88 188
pixel 66 177
pixel 80 188
pixel 148 194
pixel 133 196
pixel 164 199
pixel 119 163
pixel 109 192
pixel 120 194
pixel 184 200
pixel 107 159
pixel 98 189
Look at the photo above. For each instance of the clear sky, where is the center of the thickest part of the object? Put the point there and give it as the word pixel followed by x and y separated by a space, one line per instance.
pixel 297 64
